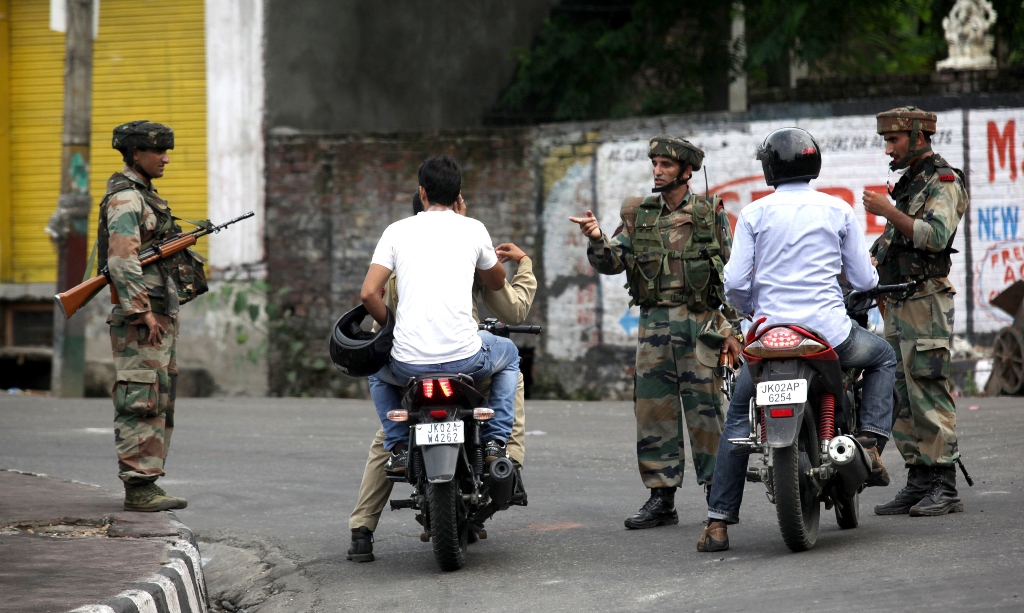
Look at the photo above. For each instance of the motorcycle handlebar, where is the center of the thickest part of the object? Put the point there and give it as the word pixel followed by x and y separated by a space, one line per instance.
pixel 882 289
pixel 500 329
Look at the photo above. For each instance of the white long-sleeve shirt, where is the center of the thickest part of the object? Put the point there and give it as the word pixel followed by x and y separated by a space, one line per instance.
pixel 787 253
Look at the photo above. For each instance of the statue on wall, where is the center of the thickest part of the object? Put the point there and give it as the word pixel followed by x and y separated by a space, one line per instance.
pixel 970 44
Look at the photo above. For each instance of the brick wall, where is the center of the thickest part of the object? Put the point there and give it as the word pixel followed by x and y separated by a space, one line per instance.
pixel 328 201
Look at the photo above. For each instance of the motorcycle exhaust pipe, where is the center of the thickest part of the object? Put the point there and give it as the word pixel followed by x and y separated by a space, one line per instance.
pixel 501 483
pixel 850 461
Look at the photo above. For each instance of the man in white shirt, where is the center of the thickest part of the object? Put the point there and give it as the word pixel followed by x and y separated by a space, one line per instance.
pixel 435 255
pixel 789 249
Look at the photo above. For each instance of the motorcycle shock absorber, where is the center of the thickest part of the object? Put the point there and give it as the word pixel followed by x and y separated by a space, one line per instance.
pixel 827 423
pixel 478 463
pixel 764 426
pixel 417 466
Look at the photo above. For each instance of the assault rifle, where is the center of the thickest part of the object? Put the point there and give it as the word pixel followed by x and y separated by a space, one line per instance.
pixel 73 299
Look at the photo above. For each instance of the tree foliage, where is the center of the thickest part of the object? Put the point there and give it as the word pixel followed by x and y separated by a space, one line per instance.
pixel 609 58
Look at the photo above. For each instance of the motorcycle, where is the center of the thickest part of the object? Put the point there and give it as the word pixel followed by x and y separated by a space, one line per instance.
pixel 803 424
pixel 454 491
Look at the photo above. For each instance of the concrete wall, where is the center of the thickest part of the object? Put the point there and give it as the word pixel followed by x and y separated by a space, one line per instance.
pixel 347 66
pixel 330 198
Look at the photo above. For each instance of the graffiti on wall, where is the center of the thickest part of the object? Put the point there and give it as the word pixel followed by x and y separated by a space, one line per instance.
pixel 853 162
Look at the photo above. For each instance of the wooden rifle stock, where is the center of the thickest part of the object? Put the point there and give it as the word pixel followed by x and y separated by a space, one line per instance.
pixel 73 299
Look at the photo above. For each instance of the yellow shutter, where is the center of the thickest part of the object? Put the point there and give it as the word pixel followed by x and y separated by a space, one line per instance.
pixel 149 62
pixel 36 107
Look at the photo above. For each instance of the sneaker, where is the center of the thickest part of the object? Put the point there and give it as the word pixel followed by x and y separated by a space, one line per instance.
pixel 147 498
pixel 362 545
pixel 493 450
pixel 715 536
pixel 398 461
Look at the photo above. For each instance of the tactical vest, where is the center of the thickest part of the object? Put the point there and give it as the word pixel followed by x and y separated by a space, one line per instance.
pixel 648 261
pixel 898 260
pixel 184 269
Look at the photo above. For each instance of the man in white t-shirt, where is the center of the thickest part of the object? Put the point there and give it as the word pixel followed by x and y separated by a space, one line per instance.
pixel 435 255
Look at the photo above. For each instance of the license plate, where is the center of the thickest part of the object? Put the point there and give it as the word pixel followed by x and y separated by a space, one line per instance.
pixel 441 433
pixel 792 391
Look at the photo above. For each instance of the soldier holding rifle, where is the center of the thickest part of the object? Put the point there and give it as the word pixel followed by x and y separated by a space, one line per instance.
pixel 144 320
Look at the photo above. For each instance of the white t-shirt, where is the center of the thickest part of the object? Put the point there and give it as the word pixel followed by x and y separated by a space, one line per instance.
pixel 434 255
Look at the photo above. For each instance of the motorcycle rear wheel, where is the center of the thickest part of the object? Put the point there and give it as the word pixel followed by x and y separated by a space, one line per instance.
pixel 796 505
pixel 449 529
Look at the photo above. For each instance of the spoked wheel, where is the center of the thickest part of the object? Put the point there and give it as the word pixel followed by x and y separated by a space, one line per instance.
pixel 796 504
pixel 449 526
pixel 847 511
pixel 1008 354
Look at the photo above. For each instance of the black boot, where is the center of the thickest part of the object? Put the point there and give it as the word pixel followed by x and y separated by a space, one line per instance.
pixel 941 497
pixel 362 545
pixel 659 510
pixel 918 484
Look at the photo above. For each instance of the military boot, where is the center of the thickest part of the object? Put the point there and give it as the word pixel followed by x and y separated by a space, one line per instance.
pixel 362 545
pixel 659 510
pixel 918 484
pixel 148 498
pixel 941 497
pixel 181 502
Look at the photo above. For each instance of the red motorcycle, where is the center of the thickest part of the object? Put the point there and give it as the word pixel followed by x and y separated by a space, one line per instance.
pixel 803 422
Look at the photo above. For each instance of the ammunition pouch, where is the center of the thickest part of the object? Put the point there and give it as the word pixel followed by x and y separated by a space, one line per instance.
pixel 187 270
pixel 648 262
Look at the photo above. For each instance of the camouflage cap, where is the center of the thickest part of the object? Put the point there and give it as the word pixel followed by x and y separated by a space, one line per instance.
pixel 143 133
pixel 902 119
pixel 679 149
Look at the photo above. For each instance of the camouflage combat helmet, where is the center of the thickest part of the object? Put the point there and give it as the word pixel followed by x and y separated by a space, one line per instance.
pixel 679 149
pixel 143 134
pixel 907 119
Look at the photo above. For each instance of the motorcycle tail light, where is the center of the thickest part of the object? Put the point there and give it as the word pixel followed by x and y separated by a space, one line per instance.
pixel 483 413
pixel 777 413
pixel 446 387
pixel 398 415
pixel 783 342
pixel 439 413
pixel 428 388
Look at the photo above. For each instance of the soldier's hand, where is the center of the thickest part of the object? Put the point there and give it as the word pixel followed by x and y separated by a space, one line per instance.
pixel 874 262
pixel 588 225
pixel 734 348
pixel 876 204
pixel 156 330
pixel 508 251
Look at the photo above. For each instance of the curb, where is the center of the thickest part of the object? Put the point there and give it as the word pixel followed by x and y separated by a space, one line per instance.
pixel 178 587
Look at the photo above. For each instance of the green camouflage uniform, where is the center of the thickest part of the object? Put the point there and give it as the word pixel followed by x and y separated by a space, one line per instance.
pixel 133 216
pixel 670 381
pixel 919 328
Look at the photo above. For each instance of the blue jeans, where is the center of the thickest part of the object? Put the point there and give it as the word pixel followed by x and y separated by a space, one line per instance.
pixel 497 360
pixel 861 349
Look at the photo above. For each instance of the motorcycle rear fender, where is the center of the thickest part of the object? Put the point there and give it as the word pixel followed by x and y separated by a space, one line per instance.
pixel 440 462
pixel 783 431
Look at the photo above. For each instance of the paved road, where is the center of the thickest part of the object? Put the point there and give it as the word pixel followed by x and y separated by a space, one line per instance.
pixel 280 475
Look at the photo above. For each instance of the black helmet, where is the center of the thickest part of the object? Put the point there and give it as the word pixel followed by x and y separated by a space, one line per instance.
pixel 356 352
pixel 789 154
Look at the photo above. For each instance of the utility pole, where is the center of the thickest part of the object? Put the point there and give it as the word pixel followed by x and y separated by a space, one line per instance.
pixel 69 225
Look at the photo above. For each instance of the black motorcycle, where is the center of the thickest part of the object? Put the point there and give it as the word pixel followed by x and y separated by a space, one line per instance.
pixel 455 492
pixel 803 422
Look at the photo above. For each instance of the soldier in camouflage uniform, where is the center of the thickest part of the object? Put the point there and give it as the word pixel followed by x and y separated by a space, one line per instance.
pixel 143 322
pixel 916 246
pixel 672 247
